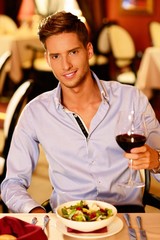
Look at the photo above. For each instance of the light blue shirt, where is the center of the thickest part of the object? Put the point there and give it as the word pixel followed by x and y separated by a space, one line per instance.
pixel 79 167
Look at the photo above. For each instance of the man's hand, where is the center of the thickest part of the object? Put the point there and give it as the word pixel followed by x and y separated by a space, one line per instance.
pixel 143 158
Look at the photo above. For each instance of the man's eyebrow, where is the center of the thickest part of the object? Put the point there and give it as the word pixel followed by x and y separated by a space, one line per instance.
pixel 53 54
pixel 70 50
pixel 73 49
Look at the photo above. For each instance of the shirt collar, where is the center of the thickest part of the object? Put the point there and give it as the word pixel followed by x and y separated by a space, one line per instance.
pixel 104 95
pixel 102 88
pixel 57 96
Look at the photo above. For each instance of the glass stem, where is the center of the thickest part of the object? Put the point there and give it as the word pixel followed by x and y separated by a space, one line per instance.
pixel 130 181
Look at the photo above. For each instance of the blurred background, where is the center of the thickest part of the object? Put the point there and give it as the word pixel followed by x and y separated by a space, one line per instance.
pixel 126 39
pixel 95 12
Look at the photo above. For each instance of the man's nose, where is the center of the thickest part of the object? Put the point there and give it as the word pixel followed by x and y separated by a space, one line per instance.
pixel 66 63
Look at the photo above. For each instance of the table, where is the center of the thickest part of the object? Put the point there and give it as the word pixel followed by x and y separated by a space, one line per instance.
pixel 148 76
pixel 150 222
pixel 21 55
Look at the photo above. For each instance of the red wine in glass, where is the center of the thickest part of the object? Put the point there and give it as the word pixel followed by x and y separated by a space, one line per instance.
pixel 130 133
pixel 127 142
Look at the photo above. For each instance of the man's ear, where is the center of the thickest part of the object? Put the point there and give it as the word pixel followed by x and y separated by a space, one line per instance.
pixel 90 50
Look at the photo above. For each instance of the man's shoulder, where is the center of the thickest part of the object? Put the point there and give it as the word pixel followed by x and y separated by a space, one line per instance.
pixel 115 85
pixel 45 96
pixel 43 99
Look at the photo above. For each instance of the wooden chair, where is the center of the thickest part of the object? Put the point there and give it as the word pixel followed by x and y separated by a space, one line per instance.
pixel 14 108
pixel 24 93
pixel 149 198
pixel 40 71
pixel 7 25
pixel 124 54
pixel 100 62
pixel 154 32
pixel 4 68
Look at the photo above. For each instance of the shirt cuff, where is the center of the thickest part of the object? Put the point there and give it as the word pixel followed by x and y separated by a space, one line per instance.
pixel 156 170
pixel 29 206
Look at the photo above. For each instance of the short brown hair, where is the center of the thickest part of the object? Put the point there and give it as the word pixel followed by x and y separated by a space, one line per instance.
pixel 61 22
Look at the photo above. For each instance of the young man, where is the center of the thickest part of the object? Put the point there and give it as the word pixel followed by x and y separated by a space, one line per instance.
pixel 75 124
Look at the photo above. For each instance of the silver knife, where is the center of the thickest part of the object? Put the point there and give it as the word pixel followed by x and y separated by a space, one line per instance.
pixel 46 220
pixel 131 231
pixel 143 235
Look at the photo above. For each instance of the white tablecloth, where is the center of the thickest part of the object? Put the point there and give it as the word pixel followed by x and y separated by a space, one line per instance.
pixel 20 54
pixel 150 222
pixel 148 77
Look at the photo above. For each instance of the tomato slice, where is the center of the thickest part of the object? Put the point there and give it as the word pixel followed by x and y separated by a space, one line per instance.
pixel 92 215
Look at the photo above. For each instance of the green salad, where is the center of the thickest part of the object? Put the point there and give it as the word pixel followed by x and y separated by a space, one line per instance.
pixel 83 212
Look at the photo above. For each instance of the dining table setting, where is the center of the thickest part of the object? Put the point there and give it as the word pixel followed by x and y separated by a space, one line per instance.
pixel 118 229
pixel 148 75
pixel 21 54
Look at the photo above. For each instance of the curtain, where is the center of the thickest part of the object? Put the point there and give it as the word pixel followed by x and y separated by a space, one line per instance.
pixel 94 12
pixel 11 8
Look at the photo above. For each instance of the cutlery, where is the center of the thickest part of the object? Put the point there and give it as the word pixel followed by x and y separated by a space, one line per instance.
pixel 142 232
pixel 34 220
pixel 131 231
pixel 46 220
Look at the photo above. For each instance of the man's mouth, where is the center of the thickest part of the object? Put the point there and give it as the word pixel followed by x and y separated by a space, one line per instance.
pixel 69 75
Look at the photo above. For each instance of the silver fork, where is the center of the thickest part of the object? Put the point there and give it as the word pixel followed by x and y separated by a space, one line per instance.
pixel 34 220
pixel 45 222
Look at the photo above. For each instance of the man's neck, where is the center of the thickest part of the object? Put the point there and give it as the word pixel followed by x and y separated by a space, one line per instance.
pixel 80 96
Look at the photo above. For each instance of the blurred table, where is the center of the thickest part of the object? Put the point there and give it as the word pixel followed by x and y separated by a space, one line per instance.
pixel 148 77
pixel 21 55
pixel 150 223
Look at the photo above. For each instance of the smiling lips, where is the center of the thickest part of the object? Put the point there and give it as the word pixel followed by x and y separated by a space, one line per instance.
pixel 69 75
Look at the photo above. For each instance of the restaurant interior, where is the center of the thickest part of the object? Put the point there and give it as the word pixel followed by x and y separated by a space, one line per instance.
pixel 126 49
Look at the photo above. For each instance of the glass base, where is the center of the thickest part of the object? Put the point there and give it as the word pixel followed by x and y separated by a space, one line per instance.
pixel 132 184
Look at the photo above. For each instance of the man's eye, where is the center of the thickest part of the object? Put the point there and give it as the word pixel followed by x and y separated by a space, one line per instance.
pixel 73 52
pixel 55 56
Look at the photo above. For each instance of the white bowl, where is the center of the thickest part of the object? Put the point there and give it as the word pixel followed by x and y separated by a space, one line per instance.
pixel 86 226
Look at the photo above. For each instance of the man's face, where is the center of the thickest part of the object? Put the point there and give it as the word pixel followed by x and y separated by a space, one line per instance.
pixel 68 58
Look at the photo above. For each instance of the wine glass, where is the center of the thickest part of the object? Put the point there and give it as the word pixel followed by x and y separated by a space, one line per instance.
pixel 130 133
